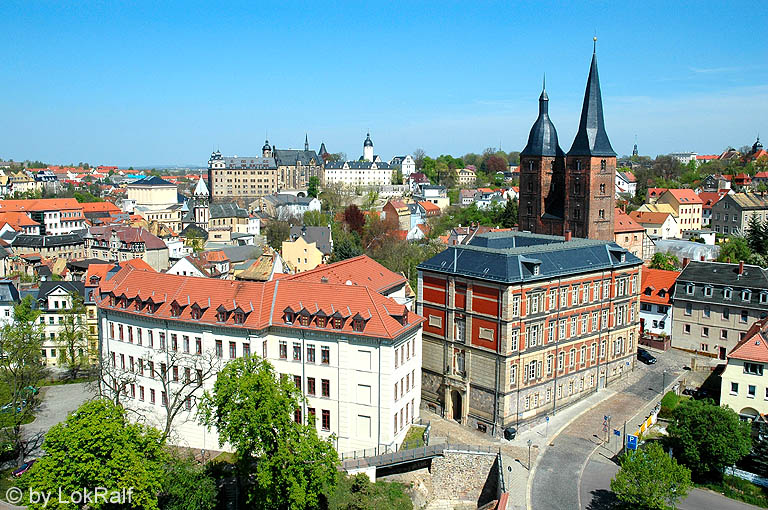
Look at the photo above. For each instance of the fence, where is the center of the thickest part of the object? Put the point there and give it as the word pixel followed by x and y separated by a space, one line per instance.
pixel 415 454
pixel 384 449
pixel 746 475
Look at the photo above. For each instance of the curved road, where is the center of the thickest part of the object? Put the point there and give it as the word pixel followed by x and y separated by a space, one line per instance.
pixel 557 476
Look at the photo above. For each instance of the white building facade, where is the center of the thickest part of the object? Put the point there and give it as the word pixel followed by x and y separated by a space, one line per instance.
pixel 355 354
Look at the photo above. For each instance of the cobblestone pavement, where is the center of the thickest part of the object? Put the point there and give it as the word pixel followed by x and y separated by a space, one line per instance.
pixel 557 472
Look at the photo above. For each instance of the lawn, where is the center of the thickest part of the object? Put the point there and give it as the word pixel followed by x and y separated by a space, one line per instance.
pixel 414 438
pixel 742 490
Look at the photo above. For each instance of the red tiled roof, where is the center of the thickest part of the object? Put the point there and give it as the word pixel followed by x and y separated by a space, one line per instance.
pixel 429 207
pixel 685 196
pixel 645 217
pixel 624 223
pixel 710 198
pixel 40 204
pixel 92 207
pixel 263 303
pixel 214 256
pixel 707 157
pixel 139 264
pixel 753 347
pixel 398 205
pixel 128 235
pixel 655 192
pixel 655 281
pixel 424 228
pixel 17 219
pixel 761 175
pixel 361 270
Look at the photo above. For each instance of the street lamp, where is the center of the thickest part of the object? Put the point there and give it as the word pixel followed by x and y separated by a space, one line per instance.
pixel 529 454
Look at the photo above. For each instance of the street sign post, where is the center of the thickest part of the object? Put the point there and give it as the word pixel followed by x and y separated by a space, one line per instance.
pixel 617 433
pixel 546 427
pixel 631 442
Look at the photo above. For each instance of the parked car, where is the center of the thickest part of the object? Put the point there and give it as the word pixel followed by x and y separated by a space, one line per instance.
pixel 23 468
pixel 510 433
pixel 646 357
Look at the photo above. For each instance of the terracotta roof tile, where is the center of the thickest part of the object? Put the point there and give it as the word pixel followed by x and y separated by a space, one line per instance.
pixel 657 282
pixel 754 346
pixel 360 271
pixel 685 196
pixel 624 223
pixel 649 218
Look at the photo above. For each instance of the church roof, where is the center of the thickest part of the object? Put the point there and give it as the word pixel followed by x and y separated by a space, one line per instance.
pixel 368 142
pixel 201 189
pixel 542 140
pixel 591 138
pixel 289 157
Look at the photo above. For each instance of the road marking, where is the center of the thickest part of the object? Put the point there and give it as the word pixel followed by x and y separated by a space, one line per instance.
pixel 581 473
pixel 532 472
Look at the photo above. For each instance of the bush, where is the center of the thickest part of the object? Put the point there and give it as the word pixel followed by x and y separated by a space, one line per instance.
pixel 668 404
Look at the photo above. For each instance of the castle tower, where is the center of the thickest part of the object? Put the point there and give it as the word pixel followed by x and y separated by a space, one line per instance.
pixel 266 150
pixel 368 148
pixel 591 169
pixel 634 149
pixel 201 208
pixel 542 176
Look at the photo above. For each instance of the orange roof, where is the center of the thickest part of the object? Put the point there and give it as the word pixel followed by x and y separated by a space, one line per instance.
pixel 656 285
pixel 710 198
pixel 655 192
pixel 649 218
pixel 624 223
pixel 96 274
pixel 361 270
pixel 485 190
pixel 92 207
pixel 707 157
pixel 424 228
pixel 759 175
pixel 398 205
pixel 685 196
pixel 139 264
pixel 213 256
pixel 753 346
pixel 40 204
pixel 400 234
pixel 263 303
pixel 429 207
pixel 17 219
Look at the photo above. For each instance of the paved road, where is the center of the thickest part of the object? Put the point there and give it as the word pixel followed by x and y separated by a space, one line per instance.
pixel 556 479
pixel 596 494
pixel 58 402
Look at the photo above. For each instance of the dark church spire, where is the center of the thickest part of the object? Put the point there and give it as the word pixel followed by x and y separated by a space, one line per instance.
pixel 591 138
pixel 542 140
pixel 306 142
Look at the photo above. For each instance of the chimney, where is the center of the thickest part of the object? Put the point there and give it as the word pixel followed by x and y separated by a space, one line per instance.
pixel 741 267
pixel 686 260
pixel 567 235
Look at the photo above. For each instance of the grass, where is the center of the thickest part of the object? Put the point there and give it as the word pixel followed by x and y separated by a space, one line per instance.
pixel 59 382
pixel 741 490
pixel 7 481
pixel 414 438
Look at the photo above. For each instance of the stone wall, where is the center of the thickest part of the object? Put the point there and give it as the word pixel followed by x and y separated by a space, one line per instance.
pixel 461 477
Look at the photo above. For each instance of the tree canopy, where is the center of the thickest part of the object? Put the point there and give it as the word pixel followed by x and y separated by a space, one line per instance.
pixel 649 478
pixel 665 261
pixel 253 410
pixel 707 437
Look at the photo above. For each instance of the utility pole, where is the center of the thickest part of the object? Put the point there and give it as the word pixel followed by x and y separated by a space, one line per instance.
pixel 529 454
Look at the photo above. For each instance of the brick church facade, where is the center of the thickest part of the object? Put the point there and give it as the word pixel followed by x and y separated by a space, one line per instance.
pixel 574 191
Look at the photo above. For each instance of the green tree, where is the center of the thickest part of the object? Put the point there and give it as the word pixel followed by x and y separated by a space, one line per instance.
pixel 665 261
pixel 650 479
pixel 757 235
pixel 74 348
pixel 346 247
pixel 707 437
pixel 253 411
pixel 358 493
pixel 21 367
pixel 98 447
pixel 316 219
pixel 187 486
pixel 735 250
pixel 276 232
pixel 509 216
pixel 313 189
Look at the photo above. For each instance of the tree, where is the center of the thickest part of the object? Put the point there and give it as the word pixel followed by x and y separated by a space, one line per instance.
pixel 333 197
pixel 707 437
pixel 254 412
pixel 277 231
pixel 315 219
pixel 313 189
pixel 346 248
pixel 650 479
pixel 354 218
pixel 757 235
pixel 418 158
pixel 665 261
pixel 496 164
pixel 98 447
pixel 735 250
pixel 358 493
pixel 187 486
pixel 21 369
pixel 509 216
pixel 112 382
pixel 74 348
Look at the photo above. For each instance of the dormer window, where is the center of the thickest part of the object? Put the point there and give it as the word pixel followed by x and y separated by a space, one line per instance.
pixel 337 322
pixel 662 293
pixel 358 324
pixel 536 270
pixel 763 298
pixel 320 322
pixel 690 288
pixel 746 295
pixel 288 317
pixel 196 312
pixel 221 315
pixel 113 300
pixel 727 293
pixel 648 291
pixel 304 319
pixel 239 317
pixel 708 291
pixel 124 302
pixel 175 309
pixel 137 304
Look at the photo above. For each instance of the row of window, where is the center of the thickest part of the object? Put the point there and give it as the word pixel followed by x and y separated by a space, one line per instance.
pixel 404 352
pixel 311 390
pixel 532 370
pixel 751 390
pixel 579 294
pixel 408 383
pixel 405 415
pixel 746 294
pixel 534 401
pixel 325 417
pixel 141 367
pixel 705 333
pixel 325 352
pixel 725 314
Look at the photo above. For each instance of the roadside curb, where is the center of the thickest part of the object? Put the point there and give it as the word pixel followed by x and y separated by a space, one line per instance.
pixel 540 454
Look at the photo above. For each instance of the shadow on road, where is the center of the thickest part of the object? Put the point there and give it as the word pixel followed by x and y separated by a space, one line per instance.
pixel 603 500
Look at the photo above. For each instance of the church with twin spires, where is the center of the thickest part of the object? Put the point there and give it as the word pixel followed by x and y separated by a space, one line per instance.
pixel 574 191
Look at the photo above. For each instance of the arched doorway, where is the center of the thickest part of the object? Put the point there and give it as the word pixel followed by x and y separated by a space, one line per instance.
pixel 748 413
pixel 456 405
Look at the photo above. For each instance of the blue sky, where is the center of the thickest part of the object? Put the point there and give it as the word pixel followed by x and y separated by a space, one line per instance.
pixel 160 83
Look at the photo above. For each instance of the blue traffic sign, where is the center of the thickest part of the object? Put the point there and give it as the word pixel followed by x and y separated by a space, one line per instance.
pixel 616 432
pixel 631 442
